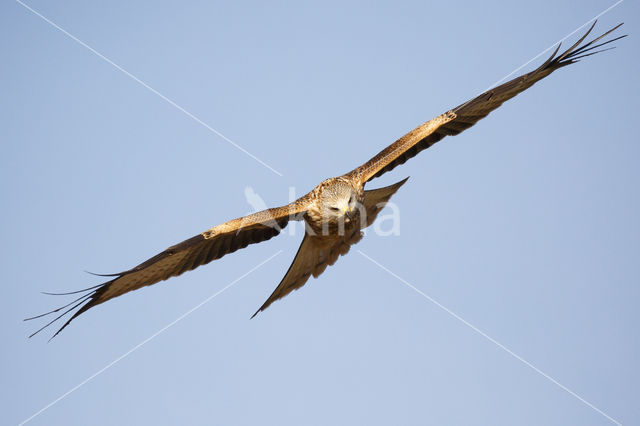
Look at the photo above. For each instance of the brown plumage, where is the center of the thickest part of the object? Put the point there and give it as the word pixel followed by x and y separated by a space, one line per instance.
pixel 334 212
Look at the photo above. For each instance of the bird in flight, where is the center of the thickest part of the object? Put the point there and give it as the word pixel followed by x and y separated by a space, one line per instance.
pixel 334 212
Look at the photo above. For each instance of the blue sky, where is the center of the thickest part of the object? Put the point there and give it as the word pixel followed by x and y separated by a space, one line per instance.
pixel 525 226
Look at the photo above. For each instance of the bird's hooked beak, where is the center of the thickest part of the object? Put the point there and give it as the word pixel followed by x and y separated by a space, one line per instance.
pixel 347 212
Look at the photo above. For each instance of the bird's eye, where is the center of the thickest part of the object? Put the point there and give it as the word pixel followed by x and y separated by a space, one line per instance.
pixel 335 209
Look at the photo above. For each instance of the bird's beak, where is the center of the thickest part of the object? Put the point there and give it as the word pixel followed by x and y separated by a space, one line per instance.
pixel 347 213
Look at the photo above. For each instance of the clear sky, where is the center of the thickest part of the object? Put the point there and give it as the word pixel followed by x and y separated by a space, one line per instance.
pixel 525 226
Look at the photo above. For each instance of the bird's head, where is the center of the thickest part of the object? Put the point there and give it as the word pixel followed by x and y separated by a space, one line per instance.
pixel 338 201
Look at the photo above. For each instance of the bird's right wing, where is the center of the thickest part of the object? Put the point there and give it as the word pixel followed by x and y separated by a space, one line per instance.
pixel 469 113
pixel 187 255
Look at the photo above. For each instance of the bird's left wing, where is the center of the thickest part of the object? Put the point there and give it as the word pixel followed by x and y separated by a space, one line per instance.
pixel 469 113
pixel 185 256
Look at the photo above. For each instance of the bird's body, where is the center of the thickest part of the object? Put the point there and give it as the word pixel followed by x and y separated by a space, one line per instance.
pixel 339 208
pixel 335 211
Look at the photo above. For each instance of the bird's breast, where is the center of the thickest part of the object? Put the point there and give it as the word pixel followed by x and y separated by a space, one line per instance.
pixel 317 224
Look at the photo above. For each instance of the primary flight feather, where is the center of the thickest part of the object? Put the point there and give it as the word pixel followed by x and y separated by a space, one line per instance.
pixel 334 212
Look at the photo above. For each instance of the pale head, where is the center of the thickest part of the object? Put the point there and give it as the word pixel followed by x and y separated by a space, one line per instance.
pixel 337 200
